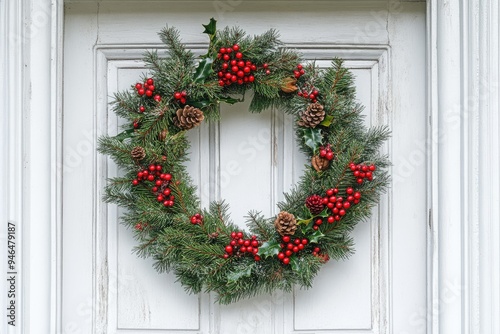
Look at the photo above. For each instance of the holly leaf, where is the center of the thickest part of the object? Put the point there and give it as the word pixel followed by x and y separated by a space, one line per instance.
pixel 234 276
pixel 304 221
pixel 229 100
pixel 314 238
pixel 312 138
pixel 295 263
pixel 327 121
pixel 199 104
pixel 269 248
pixel 210 28
pixel 203 71
pixel 124 134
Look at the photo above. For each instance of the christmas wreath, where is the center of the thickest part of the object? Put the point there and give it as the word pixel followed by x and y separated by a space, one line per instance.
pixel 205 250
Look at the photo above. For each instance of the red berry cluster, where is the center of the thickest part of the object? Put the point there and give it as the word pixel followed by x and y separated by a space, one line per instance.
pixel 299 71
pixel 323 257
pixel 140 226
pixel 147 88
pixel 239 246
pixel 337 205
pixel 161 182
pixel 311 94
pixel 362 171
pixel 181 96
pixel 290 247
pixel 234 68
pixel 326 152
pixel 197 219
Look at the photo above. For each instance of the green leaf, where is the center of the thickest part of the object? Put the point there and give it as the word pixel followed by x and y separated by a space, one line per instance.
pixel 210 28
pixel 304 221
pixel 269 248
pixel 230 100
pixel 314 238
pixel 327 121
pixel 234 276
pixel 203 71
pixel 124 134
pixel 295 263
pixel 199 104
pixel 312 138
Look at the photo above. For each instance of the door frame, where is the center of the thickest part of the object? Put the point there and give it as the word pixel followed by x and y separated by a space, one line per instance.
pixel 462 150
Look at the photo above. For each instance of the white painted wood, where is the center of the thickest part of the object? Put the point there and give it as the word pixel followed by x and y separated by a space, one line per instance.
pixel 31 98
pixel 101 305
pixel 479 65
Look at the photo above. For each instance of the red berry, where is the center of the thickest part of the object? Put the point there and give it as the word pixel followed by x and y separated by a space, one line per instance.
pixel 194 220
pixel 239 55
pixel 226 57
pixel 286 238
pixel 295 249
pixel 330 219
pixel 251 78
pixel 329 155
pixel 177 95
pixel 256 258
pixel 255 243
pixel 304 241
pixel 233 235
pixel 322 153
pixel 229 249
pixel 167 192
pixel 349 191
pixel 342 212
pixel 142 109
pixel 357 195
pixel 236 47
pixel 152 88
pixel 281 255
pixel 141 91
pixel 243 249
pixel 372 168
pixel 168 177
pixel 286 260
pixel 138 86
pixel 226 256
pixel 135 182
pixel 222 50
pixel 157 98
pixel 299 66
pixel 151 177
pixel 268 72
pixel 150 81
pixel 265 65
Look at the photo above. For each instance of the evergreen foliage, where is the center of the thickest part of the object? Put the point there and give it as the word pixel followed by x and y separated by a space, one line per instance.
pixel 192 242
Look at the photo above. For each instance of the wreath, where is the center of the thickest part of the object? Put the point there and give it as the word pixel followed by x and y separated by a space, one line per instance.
pixel 205 250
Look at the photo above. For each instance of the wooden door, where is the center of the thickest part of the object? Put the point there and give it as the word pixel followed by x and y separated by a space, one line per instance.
pixel 380 289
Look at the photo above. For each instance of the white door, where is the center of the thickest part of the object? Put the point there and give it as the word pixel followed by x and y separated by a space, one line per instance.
pixel 380 289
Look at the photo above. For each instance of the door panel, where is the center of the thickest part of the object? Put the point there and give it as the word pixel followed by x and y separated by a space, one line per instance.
pixel 249 160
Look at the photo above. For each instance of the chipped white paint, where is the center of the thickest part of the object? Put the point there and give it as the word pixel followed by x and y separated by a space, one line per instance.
pixel 463 242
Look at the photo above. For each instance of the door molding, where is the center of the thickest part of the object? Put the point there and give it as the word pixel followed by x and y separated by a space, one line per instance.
pixel 463 149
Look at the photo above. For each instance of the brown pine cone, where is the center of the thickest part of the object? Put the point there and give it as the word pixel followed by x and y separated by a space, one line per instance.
pixel 313 115
pixel 315 204
pixel 289 85
pixel 138 153
pixel 188 117
pixel 319 163
pixel 285 223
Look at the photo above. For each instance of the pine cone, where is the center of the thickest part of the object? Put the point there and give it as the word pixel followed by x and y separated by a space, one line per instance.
pixel 313 115
pixel 319 163
pixel 285 223
pixel 289 85
pixel 315 204
pixel 188 118
pixel 138 153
